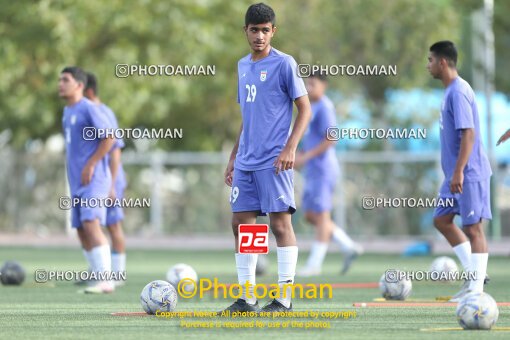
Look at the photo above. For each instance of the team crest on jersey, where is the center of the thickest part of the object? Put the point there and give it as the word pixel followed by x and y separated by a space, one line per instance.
pixel 263 75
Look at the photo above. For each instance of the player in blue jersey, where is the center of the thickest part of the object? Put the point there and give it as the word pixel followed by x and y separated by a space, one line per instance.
pixel 115 214
pixel 321 173
pixel 87 171
pixel 260 169
pixel 466 168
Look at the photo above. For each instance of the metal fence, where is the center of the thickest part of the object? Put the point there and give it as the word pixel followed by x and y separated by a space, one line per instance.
pixel 188 196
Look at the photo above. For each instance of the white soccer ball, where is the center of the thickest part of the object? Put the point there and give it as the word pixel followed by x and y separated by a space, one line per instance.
pixel 158 295
pixel 182 271
pixel 446 266
pixel 394 288
pixel 477 311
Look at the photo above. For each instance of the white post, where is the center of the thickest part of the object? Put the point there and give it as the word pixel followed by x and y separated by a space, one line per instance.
pixel 156 209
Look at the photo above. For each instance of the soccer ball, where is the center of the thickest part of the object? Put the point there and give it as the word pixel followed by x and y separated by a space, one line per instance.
pixel 444 264
pixel 179 272
pixel 12 273
pixel 477 311
pixel 158 295
pixel 394 289
pixel 262 264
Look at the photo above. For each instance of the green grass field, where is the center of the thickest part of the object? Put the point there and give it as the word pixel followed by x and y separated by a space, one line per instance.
pixel 57 311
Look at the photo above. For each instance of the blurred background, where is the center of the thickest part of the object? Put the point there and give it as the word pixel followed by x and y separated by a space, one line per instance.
pixel 184 177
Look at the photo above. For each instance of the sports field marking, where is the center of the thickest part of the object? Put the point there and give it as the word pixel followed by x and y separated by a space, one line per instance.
pixel 437 299
pixel 504 329
pixel 355 285
pixel 391 304
pixel 130 314
pixel 39 285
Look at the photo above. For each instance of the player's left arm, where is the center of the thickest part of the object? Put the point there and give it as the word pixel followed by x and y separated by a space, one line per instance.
pixel 97 120
pixel 285 160
pixel 464 121
pixel 114 165
pixel 88 170
pixel 115 156
pixel 466 146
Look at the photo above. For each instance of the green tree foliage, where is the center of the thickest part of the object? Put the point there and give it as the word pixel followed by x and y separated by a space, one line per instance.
pixel 39 38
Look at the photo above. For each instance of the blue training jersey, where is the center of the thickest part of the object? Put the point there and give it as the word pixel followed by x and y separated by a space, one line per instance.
pixel 120 180
pixel 459 111
pixel 266 91
pixel 323 117
pixel 79 118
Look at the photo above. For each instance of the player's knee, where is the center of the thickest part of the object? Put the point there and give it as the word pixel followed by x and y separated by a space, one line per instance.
pixel 117 239
pixel 115 230
pixel 310 217
pixel 438 223
pixel 235 226
pixel 473 232
pixel 280 228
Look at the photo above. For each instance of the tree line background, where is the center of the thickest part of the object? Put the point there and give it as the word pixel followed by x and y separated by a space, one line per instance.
pixel 39 38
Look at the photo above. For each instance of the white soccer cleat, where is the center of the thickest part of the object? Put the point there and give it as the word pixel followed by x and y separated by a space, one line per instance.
pixel 464 290
pixel 103 287
pixel 356 251
pixel 307 272
pixel 119 283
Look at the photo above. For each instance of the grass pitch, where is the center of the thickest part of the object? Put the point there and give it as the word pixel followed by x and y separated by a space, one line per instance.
pixel 55 310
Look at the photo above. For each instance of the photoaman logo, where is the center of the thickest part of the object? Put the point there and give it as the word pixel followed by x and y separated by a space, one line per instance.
pixel 253 238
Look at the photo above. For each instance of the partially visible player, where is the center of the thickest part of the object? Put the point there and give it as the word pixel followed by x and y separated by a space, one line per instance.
pixel 504 137
pixel 115 214
pixel 466 168
pixel 87 171
pixel 321 174
pixel 260 169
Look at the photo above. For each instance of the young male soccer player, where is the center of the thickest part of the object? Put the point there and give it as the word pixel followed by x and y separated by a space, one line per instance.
pixel 466 168
pixel 321 173
pixel 260 169
pixel 87 171
pixel 114 214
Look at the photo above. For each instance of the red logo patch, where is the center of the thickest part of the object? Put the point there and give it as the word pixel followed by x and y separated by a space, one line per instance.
pixel 253 238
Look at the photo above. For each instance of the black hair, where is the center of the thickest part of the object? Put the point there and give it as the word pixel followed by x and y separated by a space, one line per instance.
pixel 77 73
pixel 445 49
pixel 319 75
pixel 259 14
pixel 91 82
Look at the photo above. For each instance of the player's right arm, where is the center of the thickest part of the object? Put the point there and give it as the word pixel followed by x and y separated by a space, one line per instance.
pixel 303 157
pixel 326 120
pixel 229 171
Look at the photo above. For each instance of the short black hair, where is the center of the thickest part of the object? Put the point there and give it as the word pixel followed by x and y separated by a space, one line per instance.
pixel 445 49
pixel 319 75
pixel 259 14
pixel 77 73
pixel 91 82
